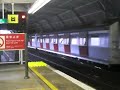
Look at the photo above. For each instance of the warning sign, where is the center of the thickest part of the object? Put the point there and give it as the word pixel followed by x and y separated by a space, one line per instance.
pixel 12 41
pixel 2 42
pixel 12 18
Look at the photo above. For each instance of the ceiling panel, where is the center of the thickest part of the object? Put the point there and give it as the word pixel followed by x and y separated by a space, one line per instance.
pixel 63 14
pixel 89 8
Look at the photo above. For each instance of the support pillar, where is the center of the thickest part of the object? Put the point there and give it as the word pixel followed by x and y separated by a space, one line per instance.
pixel 114 43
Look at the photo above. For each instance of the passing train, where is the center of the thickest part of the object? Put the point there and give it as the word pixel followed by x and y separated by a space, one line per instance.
pixel 93 45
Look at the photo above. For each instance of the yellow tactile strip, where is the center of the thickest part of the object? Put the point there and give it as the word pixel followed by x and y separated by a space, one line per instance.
pixel 38 64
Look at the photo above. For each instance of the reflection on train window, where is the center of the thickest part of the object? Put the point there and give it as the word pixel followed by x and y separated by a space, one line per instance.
pixel 64 40
pixel 82 41
pixel 74 41
pixel 95 41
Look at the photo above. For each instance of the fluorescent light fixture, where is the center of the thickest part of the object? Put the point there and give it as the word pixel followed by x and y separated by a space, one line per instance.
pixel 37 5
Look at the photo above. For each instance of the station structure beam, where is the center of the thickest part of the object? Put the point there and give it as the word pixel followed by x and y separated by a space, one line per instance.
pixel 115 43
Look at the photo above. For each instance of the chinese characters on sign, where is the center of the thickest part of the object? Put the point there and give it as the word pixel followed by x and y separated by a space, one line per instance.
pixel 12 41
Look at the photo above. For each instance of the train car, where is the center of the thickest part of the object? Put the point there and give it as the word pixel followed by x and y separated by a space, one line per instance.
pixel 64 43
pixel 99 45
pixel 46 42
pixel 90 45
pixel 53 42
pixel 79 43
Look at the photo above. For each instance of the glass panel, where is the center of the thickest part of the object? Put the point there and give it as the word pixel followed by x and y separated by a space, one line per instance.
pixel 64 40
pixel 53 40
pixel 82 41
pixel 95 41
pixel 47 40
pixel 74 41
pixel 67 41
pixel 43 40
pixel 61 40
pixel 104 41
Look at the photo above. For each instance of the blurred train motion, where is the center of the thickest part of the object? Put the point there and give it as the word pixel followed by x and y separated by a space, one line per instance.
pixel 93 45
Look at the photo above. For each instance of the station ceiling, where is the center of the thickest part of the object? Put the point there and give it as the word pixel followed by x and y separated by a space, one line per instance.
pixel 64 15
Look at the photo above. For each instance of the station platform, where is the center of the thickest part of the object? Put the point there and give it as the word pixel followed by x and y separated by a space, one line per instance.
pixel 12 78
pixel 42 77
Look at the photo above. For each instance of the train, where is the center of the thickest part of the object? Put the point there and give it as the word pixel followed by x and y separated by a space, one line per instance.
pixel 91 45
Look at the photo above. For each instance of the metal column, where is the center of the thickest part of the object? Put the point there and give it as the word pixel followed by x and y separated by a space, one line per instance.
pixel 26 50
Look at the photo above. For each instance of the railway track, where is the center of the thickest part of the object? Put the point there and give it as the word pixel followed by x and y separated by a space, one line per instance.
pixel 98 78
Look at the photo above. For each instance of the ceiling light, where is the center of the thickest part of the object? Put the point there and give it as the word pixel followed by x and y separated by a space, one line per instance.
pixel 37 5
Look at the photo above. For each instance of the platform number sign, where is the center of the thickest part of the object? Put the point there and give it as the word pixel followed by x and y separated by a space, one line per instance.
pixel 13 18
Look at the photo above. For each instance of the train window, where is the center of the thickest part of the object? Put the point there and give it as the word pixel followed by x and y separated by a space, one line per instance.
pixel 64 40
pixel 41 41
pixel 74 41
pixel 82 41
pixel 47 40
pixel 53 40
pixel 61 40
pixel 33 39
pixel 95 41
pixel 104 41
pixel 67 41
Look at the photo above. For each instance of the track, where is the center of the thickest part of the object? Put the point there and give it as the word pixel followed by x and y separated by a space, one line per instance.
pixel 98 78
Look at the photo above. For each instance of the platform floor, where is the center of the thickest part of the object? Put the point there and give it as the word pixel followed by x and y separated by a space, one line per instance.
pixel 12 78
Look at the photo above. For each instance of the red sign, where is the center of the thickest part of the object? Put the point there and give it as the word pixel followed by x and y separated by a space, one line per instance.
pixel 14 41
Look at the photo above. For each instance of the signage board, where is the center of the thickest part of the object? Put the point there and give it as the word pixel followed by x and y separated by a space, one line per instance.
pixel 13 18
pixel 3 21
pixel 14 41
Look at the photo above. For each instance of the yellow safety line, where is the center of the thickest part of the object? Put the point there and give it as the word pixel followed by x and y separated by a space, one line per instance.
pixel 44 79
